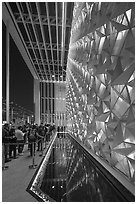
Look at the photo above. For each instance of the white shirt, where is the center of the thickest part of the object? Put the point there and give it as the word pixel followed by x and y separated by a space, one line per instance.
pixel 19 134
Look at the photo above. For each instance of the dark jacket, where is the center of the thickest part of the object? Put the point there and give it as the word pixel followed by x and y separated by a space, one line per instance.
pixel 5 135
pixel 32 135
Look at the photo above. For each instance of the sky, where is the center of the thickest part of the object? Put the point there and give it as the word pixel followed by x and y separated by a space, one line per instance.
pixel 21 80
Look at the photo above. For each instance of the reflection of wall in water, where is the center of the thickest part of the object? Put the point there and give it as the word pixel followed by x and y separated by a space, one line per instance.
pixel 60 158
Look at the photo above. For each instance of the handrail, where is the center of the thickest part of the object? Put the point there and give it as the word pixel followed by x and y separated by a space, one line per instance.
pixel 34 186
pixel 111 174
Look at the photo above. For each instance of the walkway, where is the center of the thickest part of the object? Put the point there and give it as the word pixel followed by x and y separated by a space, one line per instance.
pixel 16 179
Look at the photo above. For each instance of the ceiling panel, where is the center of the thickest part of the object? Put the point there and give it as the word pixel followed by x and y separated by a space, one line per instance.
pixel 45 28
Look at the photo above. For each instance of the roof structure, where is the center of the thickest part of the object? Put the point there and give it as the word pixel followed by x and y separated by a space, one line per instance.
pixel 41 31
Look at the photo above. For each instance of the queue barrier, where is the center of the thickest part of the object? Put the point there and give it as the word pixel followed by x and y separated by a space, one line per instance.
pixel 33 165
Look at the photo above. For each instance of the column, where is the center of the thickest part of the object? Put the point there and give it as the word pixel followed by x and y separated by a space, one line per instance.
pixel 51 91
pixel 37 100
pixel 48 102
pixel 41 103
pixel 44 95
pixel 7 72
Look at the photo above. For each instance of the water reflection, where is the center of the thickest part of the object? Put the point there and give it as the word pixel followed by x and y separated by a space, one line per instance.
pixel 72 176
pixel 54 181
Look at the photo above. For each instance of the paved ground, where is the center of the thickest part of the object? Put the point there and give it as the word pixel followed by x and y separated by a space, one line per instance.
pixel 17 177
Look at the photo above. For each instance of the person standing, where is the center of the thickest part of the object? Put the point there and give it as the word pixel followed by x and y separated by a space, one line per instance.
pixel 32 137
pixel 41 135
pixel 5 141
pixel 12 143
pixel 20 140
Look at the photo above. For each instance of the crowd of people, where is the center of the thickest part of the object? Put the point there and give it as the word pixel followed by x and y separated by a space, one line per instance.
pixel 14 139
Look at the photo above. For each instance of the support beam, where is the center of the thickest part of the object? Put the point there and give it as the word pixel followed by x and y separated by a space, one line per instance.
pixel 50 37
pixel 43 46
pixel 50 62
pixel 43 36
pixel 44 95
pixel 51 101
pixel 48 102
pixel 44 19
pixel 7 16
pixel 64 13
pixel 41 101
pixel 36 37
pixel 57 33
pixel 37 100
pixel 7 71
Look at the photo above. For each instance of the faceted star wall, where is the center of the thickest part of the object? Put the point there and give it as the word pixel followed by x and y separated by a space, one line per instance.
pixel 100 98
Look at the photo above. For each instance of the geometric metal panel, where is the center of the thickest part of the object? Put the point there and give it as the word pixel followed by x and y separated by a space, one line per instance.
pixel 100 80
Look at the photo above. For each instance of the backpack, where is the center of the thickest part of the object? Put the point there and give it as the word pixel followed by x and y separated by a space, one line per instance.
pixel 32 135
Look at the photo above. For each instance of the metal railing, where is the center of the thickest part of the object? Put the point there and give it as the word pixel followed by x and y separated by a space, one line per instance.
pixel 33 187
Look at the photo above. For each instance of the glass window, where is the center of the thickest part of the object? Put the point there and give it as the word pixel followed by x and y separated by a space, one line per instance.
pixel 42 106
